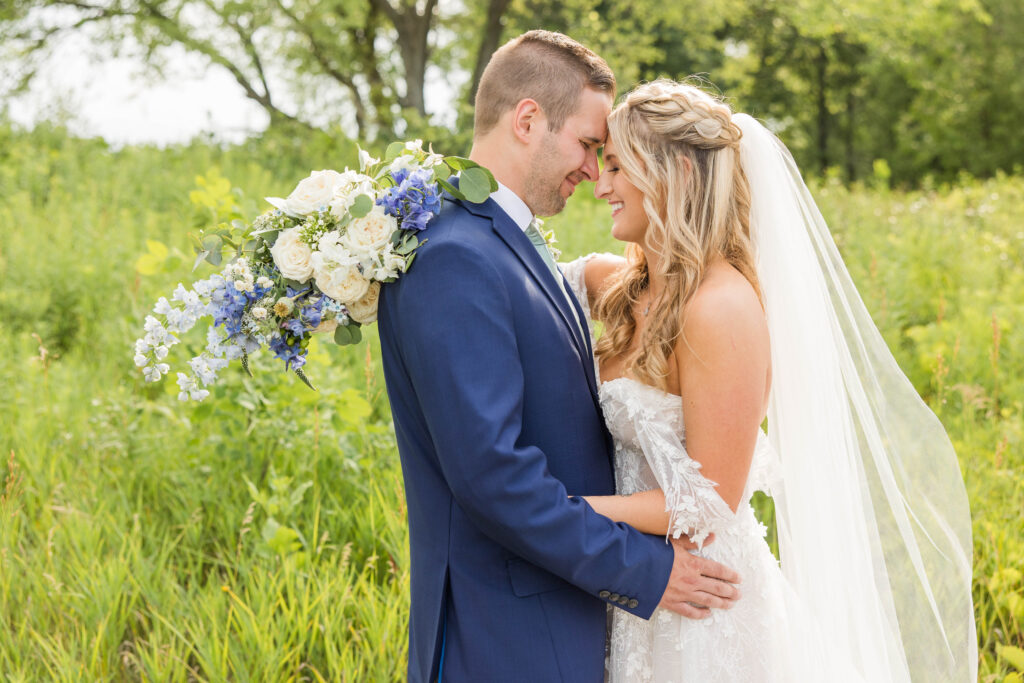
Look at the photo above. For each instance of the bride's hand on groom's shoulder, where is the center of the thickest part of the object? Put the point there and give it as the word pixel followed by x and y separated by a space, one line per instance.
pixel 697 585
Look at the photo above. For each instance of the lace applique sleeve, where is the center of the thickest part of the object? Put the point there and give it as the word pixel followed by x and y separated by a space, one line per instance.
pixel 695 508
pixel 574 272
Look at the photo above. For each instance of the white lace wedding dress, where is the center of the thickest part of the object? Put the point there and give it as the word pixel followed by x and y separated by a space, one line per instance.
pixel 762 638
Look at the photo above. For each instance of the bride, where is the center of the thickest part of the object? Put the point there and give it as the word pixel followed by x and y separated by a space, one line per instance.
pixel 733 307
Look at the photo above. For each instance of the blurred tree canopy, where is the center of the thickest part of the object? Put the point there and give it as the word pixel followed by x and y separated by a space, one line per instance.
pixel 931 87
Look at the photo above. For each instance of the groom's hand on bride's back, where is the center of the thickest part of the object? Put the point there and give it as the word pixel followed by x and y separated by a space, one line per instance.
pixel 697 585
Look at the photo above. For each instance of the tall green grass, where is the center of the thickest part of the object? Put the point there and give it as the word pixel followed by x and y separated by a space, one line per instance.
pixel 261 535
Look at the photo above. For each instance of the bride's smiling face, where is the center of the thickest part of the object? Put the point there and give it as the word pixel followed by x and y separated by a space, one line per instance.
pixel 629 220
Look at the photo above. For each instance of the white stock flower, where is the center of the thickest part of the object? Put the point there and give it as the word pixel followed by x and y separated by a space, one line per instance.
pixel 311 194
pixel 369 234
pixel 264 282
pixel 366 160
pixel 140 360
pixel 259 313
pixel 292 256
pixel 405 162
pixel 364 309
pixel 342 283
pixel 350 185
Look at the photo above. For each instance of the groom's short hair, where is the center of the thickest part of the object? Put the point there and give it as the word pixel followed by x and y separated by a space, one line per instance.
pixel 547 67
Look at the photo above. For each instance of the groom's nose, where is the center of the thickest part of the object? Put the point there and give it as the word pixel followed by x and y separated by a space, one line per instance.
pixel 590 168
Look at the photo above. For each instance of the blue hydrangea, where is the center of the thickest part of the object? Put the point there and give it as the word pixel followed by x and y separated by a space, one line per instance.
pixel 413 200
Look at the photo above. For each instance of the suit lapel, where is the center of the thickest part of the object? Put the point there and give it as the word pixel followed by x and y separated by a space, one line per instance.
pixel 589 351
pixel 520 244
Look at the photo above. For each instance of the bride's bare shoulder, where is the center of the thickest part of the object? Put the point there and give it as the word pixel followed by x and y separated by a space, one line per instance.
pixel 725 305
pixel 600 271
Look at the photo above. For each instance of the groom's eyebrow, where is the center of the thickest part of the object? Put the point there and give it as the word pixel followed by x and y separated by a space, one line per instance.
pixel 592 141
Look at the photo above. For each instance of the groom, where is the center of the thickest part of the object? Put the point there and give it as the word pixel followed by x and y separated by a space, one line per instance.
pixel 492 387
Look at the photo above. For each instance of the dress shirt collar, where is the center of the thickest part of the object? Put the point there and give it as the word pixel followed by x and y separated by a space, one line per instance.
pixel 513 205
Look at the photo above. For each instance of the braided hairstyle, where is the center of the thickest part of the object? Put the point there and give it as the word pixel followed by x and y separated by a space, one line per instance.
pixel 679 146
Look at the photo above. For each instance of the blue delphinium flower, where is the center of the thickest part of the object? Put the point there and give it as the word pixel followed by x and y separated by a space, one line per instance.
pixel 414 199
pixel 289 349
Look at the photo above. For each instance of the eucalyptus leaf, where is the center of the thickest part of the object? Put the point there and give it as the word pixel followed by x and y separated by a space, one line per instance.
pixel 215 258
pixel 408 245
pixel 394 151
pixel 212 243
pixel 361 206
pixel 460 163
pixel 343 335
pixel 269 236
pixel 475 184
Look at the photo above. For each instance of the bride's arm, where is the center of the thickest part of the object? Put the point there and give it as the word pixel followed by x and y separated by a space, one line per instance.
pixel 598 274
pixel 644 511
pixel 724 361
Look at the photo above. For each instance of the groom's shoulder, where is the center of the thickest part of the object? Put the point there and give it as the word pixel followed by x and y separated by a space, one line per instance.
pixel 456 227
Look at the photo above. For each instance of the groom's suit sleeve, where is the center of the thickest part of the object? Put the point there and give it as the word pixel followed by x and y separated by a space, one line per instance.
pixel 457 344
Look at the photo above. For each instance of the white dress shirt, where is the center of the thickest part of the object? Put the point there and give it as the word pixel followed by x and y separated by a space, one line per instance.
pixel 513 205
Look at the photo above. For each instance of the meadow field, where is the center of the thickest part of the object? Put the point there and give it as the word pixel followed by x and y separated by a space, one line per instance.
pixel 260 535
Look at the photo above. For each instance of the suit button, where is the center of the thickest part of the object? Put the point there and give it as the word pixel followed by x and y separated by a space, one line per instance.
pixel 624 600
pixel 603 594
pixel 633 604
pixel 614 597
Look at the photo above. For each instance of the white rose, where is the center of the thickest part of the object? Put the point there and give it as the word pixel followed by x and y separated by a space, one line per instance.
pixel 370 233
pixel 312 193
pixel 344 283
pixel 292 256
pixel 364 310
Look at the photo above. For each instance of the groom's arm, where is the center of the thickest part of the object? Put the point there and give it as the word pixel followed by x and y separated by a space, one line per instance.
pixel 454 324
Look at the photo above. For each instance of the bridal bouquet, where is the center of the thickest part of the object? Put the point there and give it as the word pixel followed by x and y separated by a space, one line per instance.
pixel 314 263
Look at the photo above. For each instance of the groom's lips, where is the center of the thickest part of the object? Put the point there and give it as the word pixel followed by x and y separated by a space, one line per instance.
pixel 573 180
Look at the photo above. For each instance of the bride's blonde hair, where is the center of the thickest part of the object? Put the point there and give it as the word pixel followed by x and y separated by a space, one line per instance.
pixel 679 146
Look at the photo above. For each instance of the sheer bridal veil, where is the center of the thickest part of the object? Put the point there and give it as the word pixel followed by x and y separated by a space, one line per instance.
pixel 873 520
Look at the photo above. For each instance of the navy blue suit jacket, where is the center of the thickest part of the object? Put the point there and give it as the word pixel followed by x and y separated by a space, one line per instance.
pixel 497 419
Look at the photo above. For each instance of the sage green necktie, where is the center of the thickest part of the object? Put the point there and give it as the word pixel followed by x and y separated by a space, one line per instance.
pixel 542 248
pixel 545 253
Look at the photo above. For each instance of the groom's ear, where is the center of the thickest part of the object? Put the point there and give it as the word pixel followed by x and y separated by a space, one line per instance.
pixel 527 120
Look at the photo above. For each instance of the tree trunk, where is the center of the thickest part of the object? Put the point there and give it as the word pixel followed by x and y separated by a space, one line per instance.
pixel 489 43
pixel 413 34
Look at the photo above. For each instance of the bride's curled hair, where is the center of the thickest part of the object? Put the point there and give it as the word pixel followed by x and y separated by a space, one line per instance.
pixel 679 146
